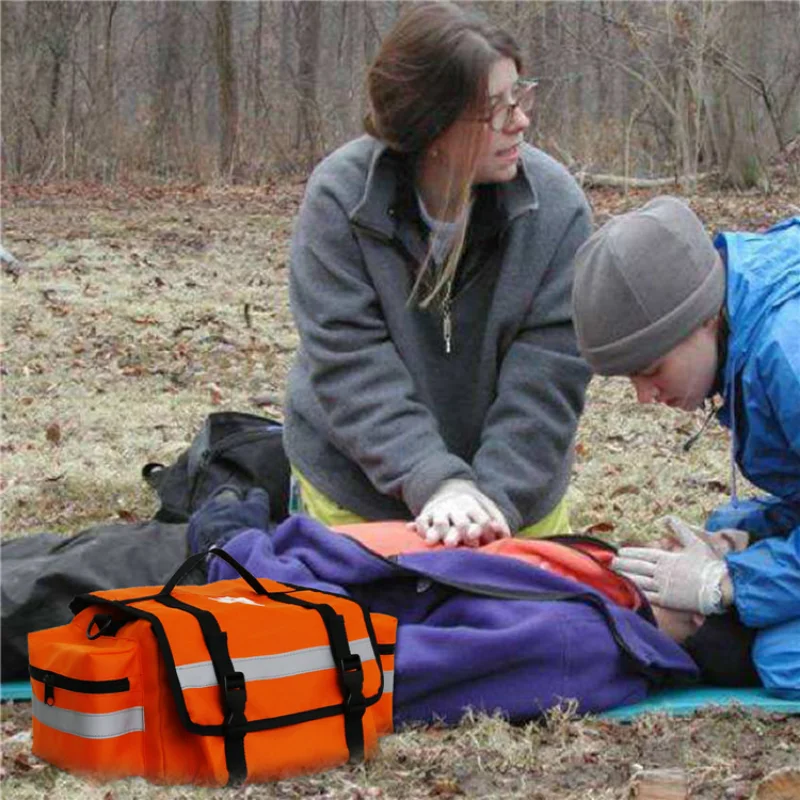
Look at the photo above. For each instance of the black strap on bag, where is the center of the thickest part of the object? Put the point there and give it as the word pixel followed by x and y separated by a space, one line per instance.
pixel 233 684
pixel 199 558
pixel 351 672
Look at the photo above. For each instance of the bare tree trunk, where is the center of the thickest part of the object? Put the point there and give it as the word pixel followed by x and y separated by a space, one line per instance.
pixel 167 75
pixel 108 105
pixel 371 35
pixel 228 97
pixel 59 49
pixel 309 26
pixel 288 14
pixel 259 90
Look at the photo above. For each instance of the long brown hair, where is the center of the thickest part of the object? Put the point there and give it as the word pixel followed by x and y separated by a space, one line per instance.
pixel 432 68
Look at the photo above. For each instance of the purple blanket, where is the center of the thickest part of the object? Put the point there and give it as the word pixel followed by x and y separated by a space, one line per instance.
pixel 476 631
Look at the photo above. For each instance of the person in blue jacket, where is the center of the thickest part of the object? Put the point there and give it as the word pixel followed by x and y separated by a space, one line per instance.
pixel 689 319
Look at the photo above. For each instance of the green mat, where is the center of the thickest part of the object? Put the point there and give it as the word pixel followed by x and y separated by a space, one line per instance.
pixel 675 702
pixel 15 690
pixel 679 702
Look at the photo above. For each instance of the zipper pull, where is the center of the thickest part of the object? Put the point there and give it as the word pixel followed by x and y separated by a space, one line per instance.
pixel 49 689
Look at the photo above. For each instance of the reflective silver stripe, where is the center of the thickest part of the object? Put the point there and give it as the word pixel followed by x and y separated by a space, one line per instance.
pixel 388 681
pixel 90 726
pixel 281 665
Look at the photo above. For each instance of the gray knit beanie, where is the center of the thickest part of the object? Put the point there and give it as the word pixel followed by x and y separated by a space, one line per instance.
pixel 643 283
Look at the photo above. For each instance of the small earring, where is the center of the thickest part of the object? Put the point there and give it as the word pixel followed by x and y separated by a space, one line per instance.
pixel 434 153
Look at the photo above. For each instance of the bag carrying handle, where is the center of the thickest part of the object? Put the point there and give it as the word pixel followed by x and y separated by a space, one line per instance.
pixel 198 558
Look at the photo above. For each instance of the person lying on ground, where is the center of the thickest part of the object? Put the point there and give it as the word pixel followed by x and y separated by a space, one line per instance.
pixel 518 626
pixel 689 320
pixel 437 378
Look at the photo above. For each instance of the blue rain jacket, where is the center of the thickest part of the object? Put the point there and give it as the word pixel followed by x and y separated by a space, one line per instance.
pixel 762 409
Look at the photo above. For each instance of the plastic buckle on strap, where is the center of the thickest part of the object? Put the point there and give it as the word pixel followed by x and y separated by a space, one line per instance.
pixel 235 691
pixel 352 675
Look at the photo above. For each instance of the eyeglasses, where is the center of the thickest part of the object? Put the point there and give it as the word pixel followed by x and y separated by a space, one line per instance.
pixel 502 115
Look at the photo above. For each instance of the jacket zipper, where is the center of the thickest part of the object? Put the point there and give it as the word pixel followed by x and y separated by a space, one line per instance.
pixel 54 680
pixel 447 319
pixel 447 303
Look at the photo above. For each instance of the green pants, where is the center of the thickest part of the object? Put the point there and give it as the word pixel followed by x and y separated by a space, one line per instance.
pixel 310 501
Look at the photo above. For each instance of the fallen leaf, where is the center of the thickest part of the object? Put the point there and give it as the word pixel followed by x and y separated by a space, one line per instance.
pixel 266 399
pixel 53 433
pixel 216 394
pixel 601 527
pixel 445 787
pixel 626 489
pixel 23 764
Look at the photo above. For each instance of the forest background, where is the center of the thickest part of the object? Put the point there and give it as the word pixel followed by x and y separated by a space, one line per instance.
pixel 153 159
pixel 239 91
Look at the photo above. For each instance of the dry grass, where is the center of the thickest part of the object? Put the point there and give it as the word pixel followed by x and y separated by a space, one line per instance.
pixel 132 318
pixel 139 311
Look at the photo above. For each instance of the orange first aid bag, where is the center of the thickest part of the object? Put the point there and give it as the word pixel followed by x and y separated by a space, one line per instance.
pixel 238 680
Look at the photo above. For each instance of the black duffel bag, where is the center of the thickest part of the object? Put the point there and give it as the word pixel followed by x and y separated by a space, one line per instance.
pixel 232 448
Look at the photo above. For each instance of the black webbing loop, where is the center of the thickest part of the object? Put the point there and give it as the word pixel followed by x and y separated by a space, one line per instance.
pixel 234 692
pixel 232 687
pixel 106 625
pixel 351 673
pixel 351 676
pixel 198 558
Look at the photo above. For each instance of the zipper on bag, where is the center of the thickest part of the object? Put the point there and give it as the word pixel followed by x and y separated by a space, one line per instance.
pixel 54 680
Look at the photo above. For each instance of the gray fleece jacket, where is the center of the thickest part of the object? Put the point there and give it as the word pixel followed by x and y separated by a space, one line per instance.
pixel 377 413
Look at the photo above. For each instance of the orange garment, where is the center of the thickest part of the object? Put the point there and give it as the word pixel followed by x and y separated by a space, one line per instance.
pixel 580 560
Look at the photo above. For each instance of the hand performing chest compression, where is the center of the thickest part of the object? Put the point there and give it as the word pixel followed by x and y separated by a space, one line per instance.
pixel 458 513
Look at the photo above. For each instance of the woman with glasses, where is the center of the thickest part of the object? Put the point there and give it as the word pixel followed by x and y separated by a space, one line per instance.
pixel 437 378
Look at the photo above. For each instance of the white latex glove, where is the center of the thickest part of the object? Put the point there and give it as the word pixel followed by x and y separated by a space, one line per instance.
pixel 722 542
pixel 458 513
pixel 690 579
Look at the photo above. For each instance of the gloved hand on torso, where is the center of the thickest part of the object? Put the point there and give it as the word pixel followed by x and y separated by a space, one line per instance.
pixel 458 513
pixel 694 578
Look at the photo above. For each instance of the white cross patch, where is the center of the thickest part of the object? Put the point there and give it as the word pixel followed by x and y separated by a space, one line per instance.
pixel 234 600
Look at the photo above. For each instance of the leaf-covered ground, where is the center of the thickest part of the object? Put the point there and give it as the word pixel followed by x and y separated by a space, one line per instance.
pixel 137 311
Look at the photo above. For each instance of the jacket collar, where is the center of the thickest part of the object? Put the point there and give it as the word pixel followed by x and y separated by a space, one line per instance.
pixel 389 199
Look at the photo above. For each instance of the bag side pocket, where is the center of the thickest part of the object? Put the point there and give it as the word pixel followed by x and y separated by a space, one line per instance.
pixel 88 711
